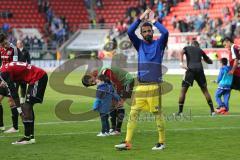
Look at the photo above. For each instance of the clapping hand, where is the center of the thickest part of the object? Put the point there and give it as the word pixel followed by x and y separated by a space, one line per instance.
pixel 145 14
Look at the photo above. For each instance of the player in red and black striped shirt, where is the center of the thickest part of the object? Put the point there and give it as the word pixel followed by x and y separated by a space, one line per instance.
pixel 8 53
pixel 36 78
pixel 234 60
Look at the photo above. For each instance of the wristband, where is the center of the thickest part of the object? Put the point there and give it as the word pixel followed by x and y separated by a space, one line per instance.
pixel 19 109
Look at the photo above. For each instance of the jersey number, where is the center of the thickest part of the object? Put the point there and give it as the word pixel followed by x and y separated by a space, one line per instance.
pixel 20 64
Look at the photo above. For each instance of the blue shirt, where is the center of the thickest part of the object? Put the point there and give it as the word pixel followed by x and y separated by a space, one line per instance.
pixel 149 54
pixel 105 93
pixel 224 79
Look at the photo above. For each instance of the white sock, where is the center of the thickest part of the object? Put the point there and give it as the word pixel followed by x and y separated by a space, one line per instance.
pixel 22 100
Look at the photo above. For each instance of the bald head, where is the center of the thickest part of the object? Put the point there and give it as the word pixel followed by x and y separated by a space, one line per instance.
pixel 19 44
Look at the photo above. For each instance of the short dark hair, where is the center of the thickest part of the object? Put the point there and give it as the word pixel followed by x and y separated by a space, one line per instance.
pixel 102 77
pixel 227 39
pixel 146 24
pixel 224 61
pixel 195 43
pixel 85 80
pixel 3 37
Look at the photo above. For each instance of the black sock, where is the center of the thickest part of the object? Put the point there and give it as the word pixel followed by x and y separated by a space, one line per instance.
pixel 15 117
pixel 180 108
pixel 32 126
pixel 27 128
pixel 113 119
pixel 120 117
pixel 1 116
pixel 211 105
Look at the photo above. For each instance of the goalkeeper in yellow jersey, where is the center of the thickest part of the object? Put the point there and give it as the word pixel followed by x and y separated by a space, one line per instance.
pixel 147 94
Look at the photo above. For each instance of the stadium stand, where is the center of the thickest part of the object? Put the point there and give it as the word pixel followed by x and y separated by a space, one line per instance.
pixel 214 11
pixel 24 14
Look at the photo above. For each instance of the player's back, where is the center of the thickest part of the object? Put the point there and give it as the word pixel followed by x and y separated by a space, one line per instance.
pixel 194 57
pixel 23 72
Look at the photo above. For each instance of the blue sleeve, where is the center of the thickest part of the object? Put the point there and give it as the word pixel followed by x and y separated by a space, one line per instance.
pixel 116 96
pixel 100 93
pixel 114 93
pixel 164 34
pixel 220 75
pixel 132 36
pixel 96 104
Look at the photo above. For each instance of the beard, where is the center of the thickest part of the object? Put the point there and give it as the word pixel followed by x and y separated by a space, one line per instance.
pixel 148 38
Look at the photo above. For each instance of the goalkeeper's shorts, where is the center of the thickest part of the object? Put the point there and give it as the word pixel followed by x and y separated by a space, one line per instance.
pixel 147 97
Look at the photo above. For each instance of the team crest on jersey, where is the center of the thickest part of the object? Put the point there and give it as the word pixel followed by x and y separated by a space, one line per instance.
pixel 9 52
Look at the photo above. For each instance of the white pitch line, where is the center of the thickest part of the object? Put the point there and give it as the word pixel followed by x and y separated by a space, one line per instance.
pixel 177 119
pixel 142 131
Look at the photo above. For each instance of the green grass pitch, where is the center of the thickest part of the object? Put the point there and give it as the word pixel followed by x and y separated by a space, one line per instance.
pixel 196 137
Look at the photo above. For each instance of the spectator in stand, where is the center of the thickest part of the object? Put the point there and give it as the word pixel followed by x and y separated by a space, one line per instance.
pixel 120 28
pixel 49 15
pixel 235 8
pixel 183 26
pixel 189 22
pixel 151 3
pixel 226 14
pixel 199 22
pixel 36 43
pixel 174 21
pixel 101 21
pixel 142 5
pixel 46 29
pixel 6 13
pixel 196 4
pixel 87 4
pixel 46 6
pixel 201 4
pixel 207 4
pixel 205 40
pixel 11 37
pixel 160 6
pixel 26 42
pixel 99 3
pixel 228 29
pixel 218 40
pixel 237 30
pixel 161 15
pixel 40 6
pixel 167 6
pixel 5 27
pixel 60 35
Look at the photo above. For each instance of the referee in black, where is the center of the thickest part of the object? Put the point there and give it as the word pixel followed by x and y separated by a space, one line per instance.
pixel 194 71
pixel 23 56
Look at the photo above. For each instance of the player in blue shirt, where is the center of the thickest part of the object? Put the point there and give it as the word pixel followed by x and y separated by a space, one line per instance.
pixel 224 87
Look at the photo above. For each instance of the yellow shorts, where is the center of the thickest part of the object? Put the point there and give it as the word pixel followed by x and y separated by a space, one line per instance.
pixel 147 98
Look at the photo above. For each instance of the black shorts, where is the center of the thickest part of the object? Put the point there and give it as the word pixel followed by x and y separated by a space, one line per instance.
pixel 4 91
pixel 194 74
pixel 35 92
pixel 127 91
pixel 23 87
pixel 236 83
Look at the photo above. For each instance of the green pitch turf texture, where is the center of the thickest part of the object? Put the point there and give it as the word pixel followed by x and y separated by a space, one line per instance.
pixel 195 137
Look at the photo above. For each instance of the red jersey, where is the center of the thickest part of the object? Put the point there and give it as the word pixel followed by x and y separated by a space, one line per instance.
pixel 23 72
pixel 8 55
pixel 112 77
pixel 235 54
